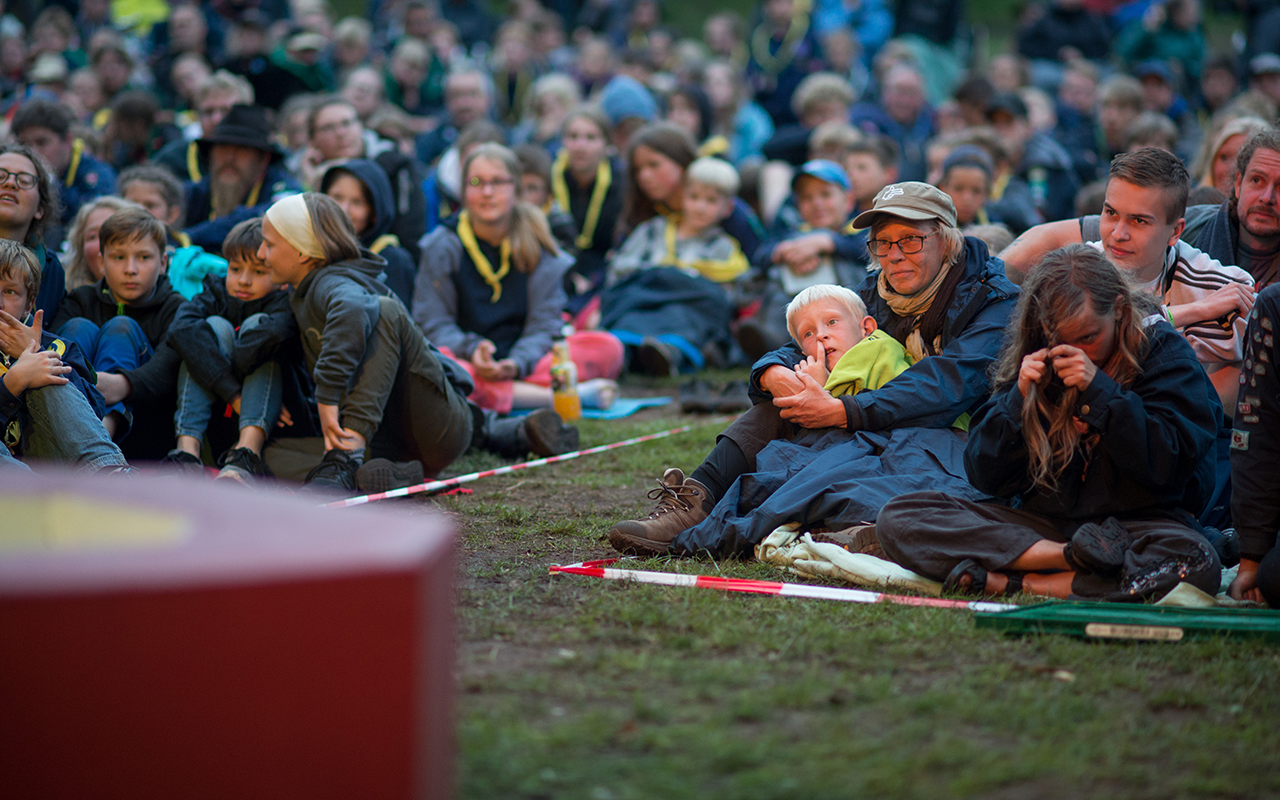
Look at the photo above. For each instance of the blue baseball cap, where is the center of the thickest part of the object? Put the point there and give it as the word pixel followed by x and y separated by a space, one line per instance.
pixel 823 170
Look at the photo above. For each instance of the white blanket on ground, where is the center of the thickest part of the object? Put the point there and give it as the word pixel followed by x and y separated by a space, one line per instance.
pixel 799 552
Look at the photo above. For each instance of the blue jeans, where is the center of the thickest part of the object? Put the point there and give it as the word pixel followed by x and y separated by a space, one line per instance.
pixel 118 345
pixel 260 394
pixel 59 425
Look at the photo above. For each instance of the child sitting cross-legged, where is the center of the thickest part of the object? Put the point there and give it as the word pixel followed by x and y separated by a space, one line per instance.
pixel 666 297
pixel 229 337
pixel 121 324
pixel 49 408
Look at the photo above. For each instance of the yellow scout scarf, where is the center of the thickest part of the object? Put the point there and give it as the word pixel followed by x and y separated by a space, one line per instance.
pixel 468 237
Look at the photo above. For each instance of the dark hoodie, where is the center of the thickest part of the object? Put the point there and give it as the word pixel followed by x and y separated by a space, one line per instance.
pixel 400 271
pixel 337 309
pixel 157 378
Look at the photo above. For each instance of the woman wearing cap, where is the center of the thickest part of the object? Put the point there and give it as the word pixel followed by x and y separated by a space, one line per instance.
pixel 940 294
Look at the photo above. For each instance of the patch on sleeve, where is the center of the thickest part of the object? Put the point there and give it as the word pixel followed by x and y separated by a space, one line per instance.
pixel 1244 408
pixel 1239 440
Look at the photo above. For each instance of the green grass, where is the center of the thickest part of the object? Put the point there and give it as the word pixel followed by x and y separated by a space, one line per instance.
pixel 572 687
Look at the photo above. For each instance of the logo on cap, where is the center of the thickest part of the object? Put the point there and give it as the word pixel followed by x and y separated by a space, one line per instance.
pixel 892 191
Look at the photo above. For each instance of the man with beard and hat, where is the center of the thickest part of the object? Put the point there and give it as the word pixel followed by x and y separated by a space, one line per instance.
pixel 245 177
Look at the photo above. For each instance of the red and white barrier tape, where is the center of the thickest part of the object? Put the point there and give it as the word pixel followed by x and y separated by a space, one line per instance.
pixel 433 486
pixel 601 569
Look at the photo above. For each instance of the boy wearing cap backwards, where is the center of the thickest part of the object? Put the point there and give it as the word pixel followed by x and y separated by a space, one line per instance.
pixel 818 252
pixel 946 300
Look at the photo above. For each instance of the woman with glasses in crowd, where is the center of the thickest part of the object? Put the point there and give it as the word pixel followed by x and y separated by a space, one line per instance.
pixel 490 291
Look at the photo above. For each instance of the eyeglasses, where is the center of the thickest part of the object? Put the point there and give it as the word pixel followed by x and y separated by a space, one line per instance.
pixel 908 245
pixel 334 127
pixel 493 183
pixel 25 180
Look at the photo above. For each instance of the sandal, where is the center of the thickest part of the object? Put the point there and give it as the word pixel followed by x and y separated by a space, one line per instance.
pixel 969 578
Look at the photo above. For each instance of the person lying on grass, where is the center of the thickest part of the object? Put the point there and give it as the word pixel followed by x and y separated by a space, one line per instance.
pixel 1097 443
pixel 803 479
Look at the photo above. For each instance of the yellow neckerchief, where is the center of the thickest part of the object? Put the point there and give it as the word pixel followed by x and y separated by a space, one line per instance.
pixel 468 237
pixel 100 118
pixel 982 217
pixel 715 146
pixel 716 271
pixel 560 189
pixel 383 242
pixel 777 62
pixel 77 150
pixel 182 238
pixel 193 162
pixel 249 203
pixel 547 206
pixel 999 185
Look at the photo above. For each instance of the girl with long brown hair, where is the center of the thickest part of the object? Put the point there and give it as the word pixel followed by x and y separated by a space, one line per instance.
pixel 1097 447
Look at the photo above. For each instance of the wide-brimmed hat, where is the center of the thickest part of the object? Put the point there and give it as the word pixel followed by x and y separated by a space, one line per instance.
pixel 244 126
pixel 911 200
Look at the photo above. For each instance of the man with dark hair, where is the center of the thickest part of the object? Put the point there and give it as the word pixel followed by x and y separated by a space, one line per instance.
pixel 245 177
pixel 28 200
pixel 1244 230
pixel 467 97
pixel 45 127
pixel 1035 157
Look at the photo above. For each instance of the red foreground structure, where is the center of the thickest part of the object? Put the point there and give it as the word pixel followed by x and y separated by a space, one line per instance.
pixel 165 638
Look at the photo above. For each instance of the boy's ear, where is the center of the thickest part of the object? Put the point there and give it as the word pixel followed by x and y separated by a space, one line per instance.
pixel 726 208
pixel 850 200
pixel 869 325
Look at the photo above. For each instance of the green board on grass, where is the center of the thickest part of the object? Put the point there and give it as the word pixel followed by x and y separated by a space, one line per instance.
pixel 1124 622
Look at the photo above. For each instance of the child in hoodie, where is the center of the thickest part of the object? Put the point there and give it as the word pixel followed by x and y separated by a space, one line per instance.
pixel 381 388
pixel 49 408
pixel 234 338
pixel 121 323
pixel 362 189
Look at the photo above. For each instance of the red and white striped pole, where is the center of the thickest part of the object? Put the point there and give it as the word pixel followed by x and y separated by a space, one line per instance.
pixel 601 569
pixel 435 486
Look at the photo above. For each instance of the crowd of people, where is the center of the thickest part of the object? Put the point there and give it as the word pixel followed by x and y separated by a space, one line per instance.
pixel 1007 314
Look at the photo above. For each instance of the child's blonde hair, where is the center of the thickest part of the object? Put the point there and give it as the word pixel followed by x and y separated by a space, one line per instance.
pixel 824 291
pixel 716 173
pixel 17 261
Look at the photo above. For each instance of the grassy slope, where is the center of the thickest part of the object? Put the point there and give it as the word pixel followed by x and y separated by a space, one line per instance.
pixel 574 687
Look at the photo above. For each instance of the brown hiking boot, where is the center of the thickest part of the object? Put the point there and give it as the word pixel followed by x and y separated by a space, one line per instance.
pixel 680 506
pixel 858 539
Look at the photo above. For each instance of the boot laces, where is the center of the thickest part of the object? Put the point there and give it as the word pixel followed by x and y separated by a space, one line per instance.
pixel 672 498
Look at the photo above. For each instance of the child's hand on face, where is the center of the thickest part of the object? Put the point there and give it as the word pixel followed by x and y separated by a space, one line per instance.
pixel 814 368
pixel 15 337
pixel 34 369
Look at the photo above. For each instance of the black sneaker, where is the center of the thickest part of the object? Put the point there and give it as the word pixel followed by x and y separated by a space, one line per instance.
pixel 179 460
pixel 337 470
pixel 243 465
pixel 733 398
pixel 383 475
pixel 696 397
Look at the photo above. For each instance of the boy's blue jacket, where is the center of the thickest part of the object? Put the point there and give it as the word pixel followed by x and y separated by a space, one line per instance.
pixel 198 347
pixel 936 390
pixel 81 376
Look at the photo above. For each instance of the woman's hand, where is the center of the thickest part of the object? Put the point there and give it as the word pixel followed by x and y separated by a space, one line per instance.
pixel 1245 585
pixel 15 337
pixel 1032 370
pixel 337 437
pixel 813 407
pixel 286 419
pixel 1073 366
pixel 489 369
pixel 813 367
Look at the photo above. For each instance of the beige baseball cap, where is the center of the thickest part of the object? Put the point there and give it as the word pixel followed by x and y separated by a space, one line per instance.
pixel 910 200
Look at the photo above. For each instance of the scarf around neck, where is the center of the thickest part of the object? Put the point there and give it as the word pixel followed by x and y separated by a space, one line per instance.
pixel 913 307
